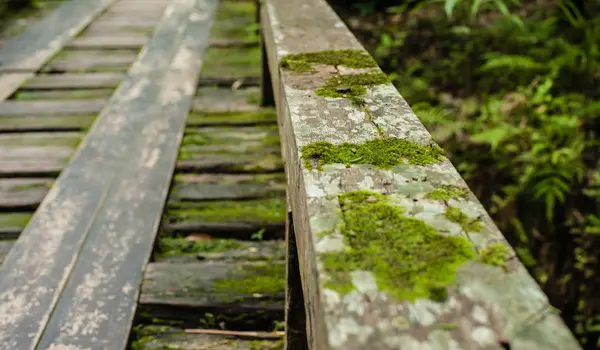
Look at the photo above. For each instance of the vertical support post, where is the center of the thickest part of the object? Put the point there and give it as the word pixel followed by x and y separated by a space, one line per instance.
pixel 295 313
pixel 266 85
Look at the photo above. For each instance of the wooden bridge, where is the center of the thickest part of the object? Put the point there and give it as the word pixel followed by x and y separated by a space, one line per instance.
pixel 143 192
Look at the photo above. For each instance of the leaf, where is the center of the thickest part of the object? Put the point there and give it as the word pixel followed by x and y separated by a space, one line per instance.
pixel 493 137
pixel 475 8
pixel 449 6
pixel 511 62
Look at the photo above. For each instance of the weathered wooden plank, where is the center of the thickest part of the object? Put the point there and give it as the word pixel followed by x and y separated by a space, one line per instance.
pixel 55 139
pixel 92 64
pixel 11 225
pixel 42 40
pixel 125 161
pixel 5 247
pixel 261 162
pixel 109 42
pixel 165 337
pixel 374 300
pixel 45 123
pixel 74 81
pixel 33 161
pixel 64 95
pixel 22 194
pixel 223 187
pixel 29 108
pixel 212 284
pixel 226 100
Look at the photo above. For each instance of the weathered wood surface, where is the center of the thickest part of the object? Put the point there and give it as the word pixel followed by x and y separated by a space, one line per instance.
pixel 165 337
pixel 29 51
pixel 201 285
pixel 487 308
pixel 22 194
pixel 124 162
pixel 29 108
pixel 31 161
pixel 106 42
pixel 74 81
pixel 35 123
pixel 91 64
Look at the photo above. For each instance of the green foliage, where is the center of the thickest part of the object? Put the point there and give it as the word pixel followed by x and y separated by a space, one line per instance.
pixel 511 93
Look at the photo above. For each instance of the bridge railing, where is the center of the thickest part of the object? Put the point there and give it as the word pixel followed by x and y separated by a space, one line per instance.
pixel 393 250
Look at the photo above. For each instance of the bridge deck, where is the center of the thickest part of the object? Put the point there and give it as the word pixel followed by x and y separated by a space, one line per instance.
pixel 91 133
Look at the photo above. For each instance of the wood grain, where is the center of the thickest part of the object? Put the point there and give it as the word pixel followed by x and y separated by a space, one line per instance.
pixel 30 50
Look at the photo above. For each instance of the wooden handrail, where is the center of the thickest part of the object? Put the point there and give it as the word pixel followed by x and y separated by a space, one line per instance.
pixel 394 251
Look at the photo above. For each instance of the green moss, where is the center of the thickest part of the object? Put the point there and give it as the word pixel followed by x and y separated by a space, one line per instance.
pixel 409 258
pixel 194 139
pixel 447 192
pixel 231 62
pixel 383 153
pixel 265 345
pixel 352 86
pixel 259 278
pixel 303 62
pixel 468 224
pixel 495 254
pixel 82 94
pixel 261 210
pixel 14 219
pixel 174 246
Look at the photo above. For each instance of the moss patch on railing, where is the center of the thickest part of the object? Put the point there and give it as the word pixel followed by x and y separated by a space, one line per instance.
pixel 409 258
pixel 383 153
pixel 448 192
pixel 468 224
pixel 303 62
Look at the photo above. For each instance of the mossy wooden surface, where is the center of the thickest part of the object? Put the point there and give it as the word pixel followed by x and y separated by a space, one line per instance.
pixel 28 123
pixel 262 211
pixel 84 94
pixel 189 249
pixel 14 220
pixel 244 188
pixel 231 62
pixel 214 283
pixel 166 337
pixel 22 194
pixel 223 100
pixel 56 139
pixel 493 303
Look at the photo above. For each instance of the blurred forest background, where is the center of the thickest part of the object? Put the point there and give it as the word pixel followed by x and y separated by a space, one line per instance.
pixel 511 90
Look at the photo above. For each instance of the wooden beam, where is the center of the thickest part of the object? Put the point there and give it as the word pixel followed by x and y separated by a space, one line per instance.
pixel 486 307
pixel 30 50
pixel 72 279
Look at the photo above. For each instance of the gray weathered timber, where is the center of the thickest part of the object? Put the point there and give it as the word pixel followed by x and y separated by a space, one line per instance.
pixel 487 308
pixel 106 42
pixel 74 81
pixel 41 108
pixel 29 51
pixel 32 161
pixel 22 194
pixel 201 285
pixel 96 307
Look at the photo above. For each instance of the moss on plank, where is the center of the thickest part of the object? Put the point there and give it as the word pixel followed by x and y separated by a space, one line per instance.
pixel 383 153
pixel 78 94
pixel 496 254
pixel 258 278
pixel 469 225
pixel 448 192
pixel 232 62
pixel 352 86
pixel 305 62
pixel 14 220
pixel 261 210
pixel 408 258
pixel 175 246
